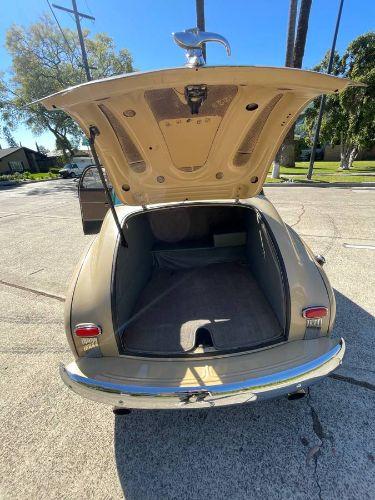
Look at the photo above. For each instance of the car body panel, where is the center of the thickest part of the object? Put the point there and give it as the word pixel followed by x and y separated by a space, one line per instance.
pixel 156 150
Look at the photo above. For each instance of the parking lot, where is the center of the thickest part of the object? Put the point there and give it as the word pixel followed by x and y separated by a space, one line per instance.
pixel 56 445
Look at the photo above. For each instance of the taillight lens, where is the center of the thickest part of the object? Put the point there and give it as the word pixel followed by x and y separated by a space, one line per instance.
pixel 87 330
pixel 315 312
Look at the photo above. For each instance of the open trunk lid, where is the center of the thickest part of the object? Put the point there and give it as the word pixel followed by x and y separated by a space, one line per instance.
pixel 192 133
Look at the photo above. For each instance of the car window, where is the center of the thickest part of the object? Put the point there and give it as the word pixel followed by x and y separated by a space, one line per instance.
pixel 91 179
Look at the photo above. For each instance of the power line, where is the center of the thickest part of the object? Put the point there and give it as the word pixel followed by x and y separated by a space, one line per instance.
pixel 62 31
pixel 88 8
pixel 78 16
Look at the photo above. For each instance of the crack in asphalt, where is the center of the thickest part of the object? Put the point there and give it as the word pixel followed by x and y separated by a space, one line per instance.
pixel 299 218
pixel 33 290
pixel 335 236
pixel 359 368
pixel 322 436
pixel 352 381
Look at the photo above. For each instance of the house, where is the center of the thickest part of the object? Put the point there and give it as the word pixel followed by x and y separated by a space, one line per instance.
pixel 21 159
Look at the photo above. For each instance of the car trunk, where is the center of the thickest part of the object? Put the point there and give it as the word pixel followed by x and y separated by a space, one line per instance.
pixel 199 279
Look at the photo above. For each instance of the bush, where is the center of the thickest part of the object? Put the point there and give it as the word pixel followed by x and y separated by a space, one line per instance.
pixel 11 177
pixel 54 170
pixel 45 166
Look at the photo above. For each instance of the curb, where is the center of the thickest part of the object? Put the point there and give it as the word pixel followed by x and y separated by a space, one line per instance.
pixel 320 184
pixel 31 181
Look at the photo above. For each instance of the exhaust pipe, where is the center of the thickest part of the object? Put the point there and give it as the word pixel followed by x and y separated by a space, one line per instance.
pixel 121 411
pixel 293 396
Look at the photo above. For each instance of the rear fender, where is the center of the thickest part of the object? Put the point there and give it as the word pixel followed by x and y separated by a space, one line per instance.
pixel 306 284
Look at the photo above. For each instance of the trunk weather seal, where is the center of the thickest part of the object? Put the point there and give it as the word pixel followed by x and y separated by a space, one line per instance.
pixel 284 275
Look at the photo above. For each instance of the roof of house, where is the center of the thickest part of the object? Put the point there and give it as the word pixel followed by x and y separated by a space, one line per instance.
pixel 7 151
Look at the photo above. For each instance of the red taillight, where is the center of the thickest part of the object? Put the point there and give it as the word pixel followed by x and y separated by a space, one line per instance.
pixel 87 330
pixel 315 312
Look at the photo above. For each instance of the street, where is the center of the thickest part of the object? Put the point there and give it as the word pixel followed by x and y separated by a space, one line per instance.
pixel 57 445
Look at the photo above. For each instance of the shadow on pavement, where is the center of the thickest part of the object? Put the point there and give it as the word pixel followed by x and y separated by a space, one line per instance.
pixel 234 452
pixel 40 189
pixel 252 451
pixel 357 327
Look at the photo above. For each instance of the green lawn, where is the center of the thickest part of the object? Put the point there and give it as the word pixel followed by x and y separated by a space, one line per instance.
pixel 40 176
pixel 329 167
pixel 327 171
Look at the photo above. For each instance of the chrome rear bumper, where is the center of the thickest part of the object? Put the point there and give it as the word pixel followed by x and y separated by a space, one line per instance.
pixel 152 397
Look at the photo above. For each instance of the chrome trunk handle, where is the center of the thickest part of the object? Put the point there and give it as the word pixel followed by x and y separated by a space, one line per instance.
pixel 192 41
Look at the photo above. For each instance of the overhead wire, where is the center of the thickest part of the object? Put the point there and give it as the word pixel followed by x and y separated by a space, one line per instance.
pixel 88 8
pixel 63 34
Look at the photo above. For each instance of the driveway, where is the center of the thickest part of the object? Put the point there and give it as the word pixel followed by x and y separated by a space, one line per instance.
pixel 56 445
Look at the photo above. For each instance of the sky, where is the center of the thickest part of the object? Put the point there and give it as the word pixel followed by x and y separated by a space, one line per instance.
pixel 256 30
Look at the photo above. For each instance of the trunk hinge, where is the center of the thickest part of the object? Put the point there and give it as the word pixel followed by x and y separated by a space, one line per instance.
pixel 94 131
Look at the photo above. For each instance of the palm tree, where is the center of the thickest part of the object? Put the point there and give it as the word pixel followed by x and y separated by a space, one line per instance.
pixel 286 152
pixel 288 63
pixel 291 33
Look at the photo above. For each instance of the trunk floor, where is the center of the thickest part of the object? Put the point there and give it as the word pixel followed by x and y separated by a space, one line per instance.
pixel 221 298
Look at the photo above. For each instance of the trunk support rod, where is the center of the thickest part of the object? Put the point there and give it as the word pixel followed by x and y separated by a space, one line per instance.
pixel 94 131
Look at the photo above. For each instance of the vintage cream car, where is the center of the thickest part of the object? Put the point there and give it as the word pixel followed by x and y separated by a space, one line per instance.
pixel 195 293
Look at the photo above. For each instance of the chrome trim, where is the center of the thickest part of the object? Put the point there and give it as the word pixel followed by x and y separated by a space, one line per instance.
pixel 154 397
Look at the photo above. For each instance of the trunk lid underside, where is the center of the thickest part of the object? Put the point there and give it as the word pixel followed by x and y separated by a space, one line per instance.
pixel 157 145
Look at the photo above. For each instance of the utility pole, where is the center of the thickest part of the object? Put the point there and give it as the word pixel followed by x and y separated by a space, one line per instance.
pixel 323 98
pixel 94 131
pixel 201 24
pixel 78 16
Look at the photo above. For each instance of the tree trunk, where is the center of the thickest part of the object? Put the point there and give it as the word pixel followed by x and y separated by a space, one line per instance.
pixel 276 167
pixel 303 24
pixel 291 33
pixel 287 151
pixel 345 156
pixel 353 156
pixel 285 155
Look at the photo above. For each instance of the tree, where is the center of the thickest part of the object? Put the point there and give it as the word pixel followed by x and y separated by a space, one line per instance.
pixel 42 149
pixel 9 138
pixel 45 61
pixel 349 117
pixel 288 63
pixel 286 153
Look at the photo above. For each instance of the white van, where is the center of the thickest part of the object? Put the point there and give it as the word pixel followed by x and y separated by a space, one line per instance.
pixel 76 167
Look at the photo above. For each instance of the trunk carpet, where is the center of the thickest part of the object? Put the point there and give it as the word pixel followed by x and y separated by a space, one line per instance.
pixel 222 298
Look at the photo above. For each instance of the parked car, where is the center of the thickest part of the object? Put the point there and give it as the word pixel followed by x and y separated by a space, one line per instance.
pixel 210 299
pixel 76 167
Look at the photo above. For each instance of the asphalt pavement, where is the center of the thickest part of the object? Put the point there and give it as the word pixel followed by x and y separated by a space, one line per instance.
pixel 56 445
